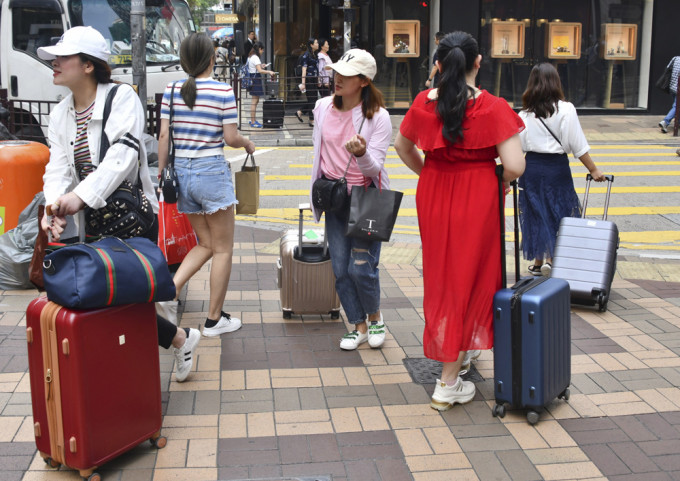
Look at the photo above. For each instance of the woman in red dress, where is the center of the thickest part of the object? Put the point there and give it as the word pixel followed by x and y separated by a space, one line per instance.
pixel 462 130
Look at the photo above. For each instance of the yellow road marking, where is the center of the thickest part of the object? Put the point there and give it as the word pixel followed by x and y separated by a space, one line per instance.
pixel 650 173
pixel 659 189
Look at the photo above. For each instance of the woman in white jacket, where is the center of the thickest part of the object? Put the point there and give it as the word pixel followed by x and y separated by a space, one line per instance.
pixel 74 178
pixel 354 124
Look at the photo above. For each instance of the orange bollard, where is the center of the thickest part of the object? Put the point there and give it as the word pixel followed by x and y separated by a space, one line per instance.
pixel 22 166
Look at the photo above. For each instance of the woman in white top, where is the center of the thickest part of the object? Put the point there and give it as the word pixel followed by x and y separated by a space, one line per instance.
pixel 255 70
pixel 324 75
pixel 547 189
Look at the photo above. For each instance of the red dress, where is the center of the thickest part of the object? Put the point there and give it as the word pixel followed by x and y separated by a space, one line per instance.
pixel 457 204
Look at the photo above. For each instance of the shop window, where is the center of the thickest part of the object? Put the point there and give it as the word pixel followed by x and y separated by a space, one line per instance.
pixel 594 44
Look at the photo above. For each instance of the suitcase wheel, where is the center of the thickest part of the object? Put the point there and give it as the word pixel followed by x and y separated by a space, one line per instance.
pixel 335 314
pixel 564 395
pixel 159 443
pixel 499 411
pixel 287 315
pixel 51 462
pixel 94 477
pixel 602 302
pixel 533 417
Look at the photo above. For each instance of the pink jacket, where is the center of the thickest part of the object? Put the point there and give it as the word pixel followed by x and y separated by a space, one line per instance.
pixel 378 134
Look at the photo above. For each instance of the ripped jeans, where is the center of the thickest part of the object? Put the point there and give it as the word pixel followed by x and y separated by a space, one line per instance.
pixel 355 265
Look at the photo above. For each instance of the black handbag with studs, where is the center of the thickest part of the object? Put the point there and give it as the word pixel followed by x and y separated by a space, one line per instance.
pixel 128 212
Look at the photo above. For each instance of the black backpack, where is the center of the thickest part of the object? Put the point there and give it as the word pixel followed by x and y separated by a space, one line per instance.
pixel 298 67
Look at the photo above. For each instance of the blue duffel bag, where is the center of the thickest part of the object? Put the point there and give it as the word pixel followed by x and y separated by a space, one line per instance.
pixel 106 273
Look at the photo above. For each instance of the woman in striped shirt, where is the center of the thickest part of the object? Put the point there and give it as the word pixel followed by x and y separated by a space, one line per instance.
pixel 204 119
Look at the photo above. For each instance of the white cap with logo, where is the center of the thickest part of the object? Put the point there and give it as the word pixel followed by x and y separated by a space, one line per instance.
pixel 355 62
pixel 85 40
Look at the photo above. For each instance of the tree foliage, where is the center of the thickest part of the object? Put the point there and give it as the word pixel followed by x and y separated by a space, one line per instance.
pixel 200 7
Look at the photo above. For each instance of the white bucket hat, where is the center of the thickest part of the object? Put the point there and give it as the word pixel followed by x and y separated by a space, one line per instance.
pixel 355 62
pixel 85 40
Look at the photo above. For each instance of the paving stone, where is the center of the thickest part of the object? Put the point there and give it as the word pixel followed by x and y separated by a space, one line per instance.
pixel 393 470
pixel 657 476
pixel 375 451
pixel 585 384
pixel 605 459
pixel 672 417
pixel 634 429
pixel 658 383
pixel 660 448
pixel 607 382
pixel 659 426
pixel 494 443
pixel 584 438
pixel 18 410
pixel 286 399
pixel 518 465
pixel 669 462
pixel 487 466
pixel 636 374
pixel 334 469
pixel 358 401
pixel 312 398
pixel 232 472
pixel 12 475
pixel 324 448
pixel 207 402
pixel 636 460
pixel 246 407
pixel 295 450
pixel 479 430
pixel 414 394
pixel 362 470
pixel 367 438
pixel 265 471
pixel 181 402
pixel 592 424
pixel 390 394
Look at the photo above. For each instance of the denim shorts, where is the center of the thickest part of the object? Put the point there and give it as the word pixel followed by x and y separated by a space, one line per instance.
pixel 205 184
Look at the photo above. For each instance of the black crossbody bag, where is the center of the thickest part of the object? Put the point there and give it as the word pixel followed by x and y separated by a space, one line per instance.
pixel 330 195
pixel 127 213
pixel 169 183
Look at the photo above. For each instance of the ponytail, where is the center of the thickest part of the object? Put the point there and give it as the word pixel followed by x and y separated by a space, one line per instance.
pixel 457 53
pixel 196 53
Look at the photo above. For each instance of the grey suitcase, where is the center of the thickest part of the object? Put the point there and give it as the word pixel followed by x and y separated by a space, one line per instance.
pixel 305 275
pixel 585 254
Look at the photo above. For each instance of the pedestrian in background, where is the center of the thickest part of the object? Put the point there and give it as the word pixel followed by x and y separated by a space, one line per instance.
pixel 74 176
pixel 353 124
pixel 248 45
pixel 673 86
pixel 309 84
pixel 256 70
pixel 546 188
pixel 461 130
pixel 433 79
pixel 204 120
pixel 324 74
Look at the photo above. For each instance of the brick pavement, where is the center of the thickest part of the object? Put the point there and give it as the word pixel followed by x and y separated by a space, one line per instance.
pixel 278 399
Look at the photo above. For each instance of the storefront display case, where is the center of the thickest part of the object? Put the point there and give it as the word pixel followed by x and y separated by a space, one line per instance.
pixel 620 41
pixel 402 38
pixel 563 40
pixel 507 39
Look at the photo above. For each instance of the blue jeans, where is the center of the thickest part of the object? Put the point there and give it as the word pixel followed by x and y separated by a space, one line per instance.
pixel 671 112
pixel 355 265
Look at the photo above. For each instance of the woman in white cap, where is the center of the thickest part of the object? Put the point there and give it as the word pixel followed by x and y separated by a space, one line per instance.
pixel 353 124
pixel 74 177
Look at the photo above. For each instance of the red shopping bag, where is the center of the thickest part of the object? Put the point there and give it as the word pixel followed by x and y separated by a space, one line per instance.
pixel 176 237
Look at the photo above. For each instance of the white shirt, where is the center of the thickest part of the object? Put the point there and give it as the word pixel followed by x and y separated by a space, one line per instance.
pixel 124 128
pixel 253 62
pixel 563 123
pixel 324 75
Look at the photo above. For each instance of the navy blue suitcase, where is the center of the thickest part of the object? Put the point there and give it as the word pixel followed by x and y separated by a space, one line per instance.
pixel 532 337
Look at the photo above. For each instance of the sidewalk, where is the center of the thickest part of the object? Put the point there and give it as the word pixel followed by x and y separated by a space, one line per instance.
pixel 279 400
pixel 599 129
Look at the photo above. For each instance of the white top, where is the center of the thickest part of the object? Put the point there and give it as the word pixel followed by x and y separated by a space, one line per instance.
pixel 253 62
pixel 563 123
pixel 324 75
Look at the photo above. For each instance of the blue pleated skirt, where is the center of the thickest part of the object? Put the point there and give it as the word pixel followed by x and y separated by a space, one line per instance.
pixel 546 195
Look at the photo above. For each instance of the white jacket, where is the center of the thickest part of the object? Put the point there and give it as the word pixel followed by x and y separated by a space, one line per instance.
pixel 124 128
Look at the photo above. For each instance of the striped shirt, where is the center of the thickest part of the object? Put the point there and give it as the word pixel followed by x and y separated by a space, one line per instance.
pixel 81 148
pixel 198 132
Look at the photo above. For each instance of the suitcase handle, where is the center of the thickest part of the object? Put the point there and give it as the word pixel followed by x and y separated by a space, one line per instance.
pixel 610 181
pixel 302 208
pixel 501 210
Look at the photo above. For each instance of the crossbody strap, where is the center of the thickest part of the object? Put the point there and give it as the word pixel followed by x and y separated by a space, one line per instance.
pixel 551 132
pixel 361 126
pixel 171 137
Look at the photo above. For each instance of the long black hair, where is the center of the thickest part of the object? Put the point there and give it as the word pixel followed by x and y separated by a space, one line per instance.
pixel 195 54
pixel 310 49
pixel 457 53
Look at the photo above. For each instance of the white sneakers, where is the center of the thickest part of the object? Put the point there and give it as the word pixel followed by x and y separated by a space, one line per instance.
pixel 664 126
pixel 168 310
pixel 445 396
pixel 376 333
pixel 352 340
pixel 546 269
pixel 225 324
pixel 185 355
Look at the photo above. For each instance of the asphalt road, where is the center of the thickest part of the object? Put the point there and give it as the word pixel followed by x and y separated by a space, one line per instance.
pixel 645 199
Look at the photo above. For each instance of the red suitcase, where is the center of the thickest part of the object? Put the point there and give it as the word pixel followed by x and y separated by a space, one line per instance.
pixel 95 382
